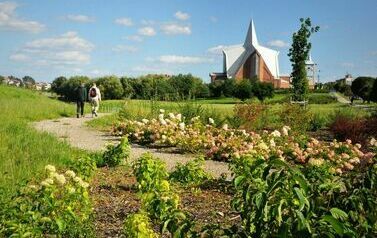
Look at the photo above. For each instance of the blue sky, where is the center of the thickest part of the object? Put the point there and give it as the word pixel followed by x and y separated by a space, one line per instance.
pixel 48 38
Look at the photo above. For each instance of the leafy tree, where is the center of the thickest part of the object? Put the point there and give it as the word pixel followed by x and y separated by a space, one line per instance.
pixel 263 90
pixel 28 81
pixel 362 87
pixel 111 87
pixel 216 89
pixel 2 79
pixel 244 89
pixel 373 93
pixel 128 91
pixel 298 54
pixel 57 85
pixel 69 87
pixel 186 85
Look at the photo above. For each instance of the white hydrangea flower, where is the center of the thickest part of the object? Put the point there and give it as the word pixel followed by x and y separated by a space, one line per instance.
pixel 163 122
pixel 60 179
pixel 70 174
pixel 211 121
pixel 50 168
pixel 182 126
pixel 77 179
pixel 172 116
pixel 47 182
pixel 163 137
pixel 84 184
pixel 225 127
pixel 179 117
pixel 263 146
pixel 145 121
pixel 161 116
pixel 162 111
pixel 276 133
pixel 373 142
pixel 71 190
pixel 272 143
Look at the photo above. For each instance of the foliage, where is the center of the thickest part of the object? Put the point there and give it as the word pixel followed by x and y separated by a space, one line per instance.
pixel 116 154
pixel 138 226
pixel 68 88
pixel 251 115
pixel 317 122
pixel 59 205
pixel 244 89
pixel 262 90
pixel 28 82
pixel 276 199
pixel 298 54
pixel 84 167
pixel 373 92
pixel 110 86
pixel 362 87
pixel 191 173
pixel 297 118
pixel 2 78
pixel 57 85
pixel 157 197
pixel 321 98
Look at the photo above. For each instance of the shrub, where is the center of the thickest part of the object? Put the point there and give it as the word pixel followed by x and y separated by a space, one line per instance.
pixel 191 173
pixel 58 206
pixel 138 226
pixel 321 98
pixel 250 115
pixel 262 90
pixel 84 167
pixel 116 154
pixel 317 122
pixel 297 117
pixel 362 87
pixel 244 89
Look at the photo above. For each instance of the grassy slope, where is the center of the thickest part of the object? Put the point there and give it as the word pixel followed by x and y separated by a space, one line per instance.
pixel 24 151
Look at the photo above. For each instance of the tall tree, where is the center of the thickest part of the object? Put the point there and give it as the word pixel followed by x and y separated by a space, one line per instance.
pixel 298 54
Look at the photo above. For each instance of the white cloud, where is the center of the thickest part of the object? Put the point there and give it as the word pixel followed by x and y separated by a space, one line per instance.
pixel 148 22
pixel 278 43
pixel 147 69
pixel 66 49
pixel 216 50
pixel 125 48
pixel 213 19
pixel 80 18
pixel 175 29
pixel 124 21
pixel 10 21
pixel 182 16
pixel 147 31
pixel 135 38
pixel 19 57
pixel 177 59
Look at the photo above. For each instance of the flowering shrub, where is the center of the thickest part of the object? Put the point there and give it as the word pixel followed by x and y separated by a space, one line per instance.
pixel 226 144
pixel 59 205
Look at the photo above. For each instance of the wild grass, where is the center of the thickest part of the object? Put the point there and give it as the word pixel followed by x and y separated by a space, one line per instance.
pixel 24 151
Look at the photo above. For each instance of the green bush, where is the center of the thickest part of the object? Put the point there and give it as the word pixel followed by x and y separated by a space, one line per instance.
pixel 110 86
pixel 59 206
pixel 317 122
pixel 85 167
pixel 297 117
pixel 191 173
pixel 116 154
pixel 319 98
pixel 138 226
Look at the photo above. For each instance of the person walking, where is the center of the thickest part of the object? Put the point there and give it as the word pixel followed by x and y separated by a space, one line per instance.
pixel 94 98
pixel 82 96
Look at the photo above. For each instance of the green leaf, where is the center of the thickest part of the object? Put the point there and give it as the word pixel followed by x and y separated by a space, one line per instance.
pixel 238 180
pixel 303 200
pixel 334 223
pixel 303 223
pixel 338 214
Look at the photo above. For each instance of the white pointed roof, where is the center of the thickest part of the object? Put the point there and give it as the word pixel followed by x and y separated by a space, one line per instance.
pixel 236 55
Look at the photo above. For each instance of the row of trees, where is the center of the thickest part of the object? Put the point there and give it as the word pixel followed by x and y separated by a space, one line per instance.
pixel 162 87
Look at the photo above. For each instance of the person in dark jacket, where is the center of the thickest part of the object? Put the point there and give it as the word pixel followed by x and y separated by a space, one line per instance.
pixel 82 96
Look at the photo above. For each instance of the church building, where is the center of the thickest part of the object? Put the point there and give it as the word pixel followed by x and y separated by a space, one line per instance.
pixel 249 60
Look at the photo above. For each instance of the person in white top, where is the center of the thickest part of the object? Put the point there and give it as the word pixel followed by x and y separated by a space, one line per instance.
pixel 94 98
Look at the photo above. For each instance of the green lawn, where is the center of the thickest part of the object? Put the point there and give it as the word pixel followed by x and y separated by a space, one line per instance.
pixel 23 151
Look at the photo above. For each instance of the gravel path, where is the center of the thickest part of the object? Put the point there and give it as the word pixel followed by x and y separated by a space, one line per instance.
pixel 340 98
pixel 75 132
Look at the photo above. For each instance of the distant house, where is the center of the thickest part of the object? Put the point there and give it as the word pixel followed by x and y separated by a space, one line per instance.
pixel 42 86
pixel 13 81
pixel 249 60
pixel 348 79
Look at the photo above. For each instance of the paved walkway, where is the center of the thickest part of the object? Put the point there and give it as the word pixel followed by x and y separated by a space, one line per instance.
pixel 75 132
pixel 340 98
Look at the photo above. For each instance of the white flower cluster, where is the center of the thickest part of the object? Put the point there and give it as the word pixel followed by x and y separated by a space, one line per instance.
pixel 373 142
